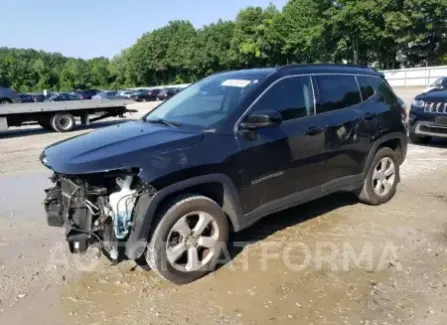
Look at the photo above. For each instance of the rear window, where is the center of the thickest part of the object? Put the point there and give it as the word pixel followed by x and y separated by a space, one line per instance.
pixel 337 92
pixel 384 91
pixel 366 87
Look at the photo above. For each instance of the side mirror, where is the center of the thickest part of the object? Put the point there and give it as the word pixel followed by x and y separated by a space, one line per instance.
pixel 262 119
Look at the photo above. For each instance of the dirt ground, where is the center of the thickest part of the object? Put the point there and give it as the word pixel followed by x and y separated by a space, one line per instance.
pixel 332 261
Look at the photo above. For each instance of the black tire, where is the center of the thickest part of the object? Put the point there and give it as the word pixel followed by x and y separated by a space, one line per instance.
pixel 368 194
pixel 167 217
pixel 417 139
pixel 62 122
pixel 5 101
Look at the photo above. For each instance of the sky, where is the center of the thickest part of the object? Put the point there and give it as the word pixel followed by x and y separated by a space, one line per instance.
pixel 91 28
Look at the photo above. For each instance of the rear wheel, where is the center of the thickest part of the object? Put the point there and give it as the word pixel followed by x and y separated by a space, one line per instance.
pixel 62 122
pixel 187 239
pixel 417 139
pixel 381 181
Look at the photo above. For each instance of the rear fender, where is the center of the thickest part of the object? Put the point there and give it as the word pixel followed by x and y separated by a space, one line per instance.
pixel 392 136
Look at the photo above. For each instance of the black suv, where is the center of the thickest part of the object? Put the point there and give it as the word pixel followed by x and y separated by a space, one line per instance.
pixel 428 116
pixel 219 156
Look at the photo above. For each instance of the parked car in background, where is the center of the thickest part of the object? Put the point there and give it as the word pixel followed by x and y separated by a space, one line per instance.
pixel 167 93
pixel 144 95
pixel 126 93
pixel 38 98
pixel 428 116
pixel 26 98
pixel 439 84
pixel 63 96
pixel 8 96
pixel 110 94
pixel 86 94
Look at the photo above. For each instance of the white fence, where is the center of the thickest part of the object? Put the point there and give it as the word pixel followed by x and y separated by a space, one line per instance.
pixel 414 77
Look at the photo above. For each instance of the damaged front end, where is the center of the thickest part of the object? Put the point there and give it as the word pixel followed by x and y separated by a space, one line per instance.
pixel 95 209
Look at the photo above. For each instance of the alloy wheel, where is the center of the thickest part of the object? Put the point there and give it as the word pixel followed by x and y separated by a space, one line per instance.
pixel 192 241
pixel 384 176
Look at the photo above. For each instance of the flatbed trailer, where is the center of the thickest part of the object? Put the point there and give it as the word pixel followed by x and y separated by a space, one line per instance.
pixel 61 116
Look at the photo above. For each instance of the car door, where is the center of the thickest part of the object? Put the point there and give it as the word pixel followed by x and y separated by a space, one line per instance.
pixel 279 162
pixel 338 102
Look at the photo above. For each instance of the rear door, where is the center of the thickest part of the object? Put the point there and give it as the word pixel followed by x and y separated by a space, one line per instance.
pixel 281 161
pixel 383 110
pixel 339 104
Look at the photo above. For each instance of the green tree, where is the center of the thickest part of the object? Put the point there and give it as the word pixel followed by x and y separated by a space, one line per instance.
pixel 302 28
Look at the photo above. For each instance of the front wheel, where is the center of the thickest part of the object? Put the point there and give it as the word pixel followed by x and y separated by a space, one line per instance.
pixel 381 181
pixel 417 139
pixel 188 239
pixel 62 122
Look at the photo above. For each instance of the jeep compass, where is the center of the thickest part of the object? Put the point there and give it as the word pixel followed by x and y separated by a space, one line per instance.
pixel 222 154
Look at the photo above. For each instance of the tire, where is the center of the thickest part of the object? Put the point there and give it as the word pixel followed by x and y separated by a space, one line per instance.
pixel 416 139
pixel 5 101
pixel 380 186
pixel 62 122
pixel 164 237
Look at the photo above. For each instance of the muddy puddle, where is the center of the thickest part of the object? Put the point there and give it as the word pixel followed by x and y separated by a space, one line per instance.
pixel 273 278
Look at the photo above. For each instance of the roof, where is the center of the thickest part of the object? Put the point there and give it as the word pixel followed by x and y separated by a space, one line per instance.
pixel 325 68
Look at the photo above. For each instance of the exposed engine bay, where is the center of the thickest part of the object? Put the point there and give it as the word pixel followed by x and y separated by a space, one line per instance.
pixel 95 209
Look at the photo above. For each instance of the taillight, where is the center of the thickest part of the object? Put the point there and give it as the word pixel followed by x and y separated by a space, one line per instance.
pixel 404 112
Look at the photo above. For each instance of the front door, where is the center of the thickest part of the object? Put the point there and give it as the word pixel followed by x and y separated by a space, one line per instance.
pixel 279 162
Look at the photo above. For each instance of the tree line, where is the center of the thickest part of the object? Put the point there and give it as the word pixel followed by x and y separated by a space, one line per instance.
pixel 383 33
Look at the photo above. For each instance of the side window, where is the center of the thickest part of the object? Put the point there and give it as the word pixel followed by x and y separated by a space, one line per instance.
pixel 365 87
pixel 444 83
pixel 336 92
pixel 383 90
pixel 292 97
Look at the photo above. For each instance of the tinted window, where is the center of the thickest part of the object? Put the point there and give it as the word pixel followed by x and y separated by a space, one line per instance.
pixel 336 92
pixel 381 87
pixel 444 82
pixel 365 87
pixel 292 97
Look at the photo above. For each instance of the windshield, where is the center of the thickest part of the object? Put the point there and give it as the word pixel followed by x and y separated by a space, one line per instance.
pixel 208 102
pixel 437 83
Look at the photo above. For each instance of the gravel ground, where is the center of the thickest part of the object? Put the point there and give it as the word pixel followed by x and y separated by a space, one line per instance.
pixel 388 263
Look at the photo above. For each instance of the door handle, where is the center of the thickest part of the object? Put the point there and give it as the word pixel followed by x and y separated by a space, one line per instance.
pixel 314 130
pixel 370 116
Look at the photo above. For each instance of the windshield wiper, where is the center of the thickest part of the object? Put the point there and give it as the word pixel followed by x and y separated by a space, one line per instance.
pixel 164 122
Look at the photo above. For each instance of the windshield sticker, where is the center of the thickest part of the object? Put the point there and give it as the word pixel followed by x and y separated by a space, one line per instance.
pixel 236 83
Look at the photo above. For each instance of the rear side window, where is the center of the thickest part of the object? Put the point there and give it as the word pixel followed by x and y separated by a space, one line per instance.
pixel 381 87
pixel 292 97
pixel 336 92
pixel 366 87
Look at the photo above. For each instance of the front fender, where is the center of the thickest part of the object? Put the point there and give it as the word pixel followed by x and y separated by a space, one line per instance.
pixel 147 206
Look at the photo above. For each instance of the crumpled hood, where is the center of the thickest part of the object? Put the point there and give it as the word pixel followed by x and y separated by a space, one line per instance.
pixel 126 145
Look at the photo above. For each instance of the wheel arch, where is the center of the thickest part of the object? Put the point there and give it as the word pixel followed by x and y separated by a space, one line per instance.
pixel 217 187
pixel 396 141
